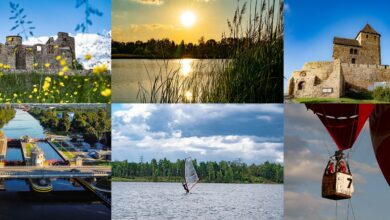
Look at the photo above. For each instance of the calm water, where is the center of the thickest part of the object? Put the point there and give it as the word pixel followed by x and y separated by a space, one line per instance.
pixel 128 72
pixel 207 201
pixel 14 154
pixel 50 153
pixel 23 124
pixel 65 202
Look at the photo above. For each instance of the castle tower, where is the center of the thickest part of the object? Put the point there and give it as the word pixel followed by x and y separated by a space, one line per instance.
pixel 13 40
pixel 369 41
pixel 364 49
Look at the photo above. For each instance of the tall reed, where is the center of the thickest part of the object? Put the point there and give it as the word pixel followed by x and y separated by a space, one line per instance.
pixel 252 74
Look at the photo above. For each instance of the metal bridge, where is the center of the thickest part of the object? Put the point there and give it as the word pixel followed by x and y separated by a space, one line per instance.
pixel 22 172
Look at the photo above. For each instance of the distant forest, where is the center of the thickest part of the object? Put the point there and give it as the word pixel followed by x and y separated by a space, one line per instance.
pixel 167 49
pixel 92 123
pixel 209 172
pixel 6 115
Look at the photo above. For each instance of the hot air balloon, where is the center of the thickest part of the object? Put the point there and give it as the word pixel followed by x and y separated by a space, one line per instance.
pixel 343 123
pixel 380 137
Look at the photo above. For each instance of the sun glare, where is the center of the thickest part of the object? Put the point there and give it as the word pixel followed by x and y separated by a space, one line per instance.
pixel 188 18
pixel 186 67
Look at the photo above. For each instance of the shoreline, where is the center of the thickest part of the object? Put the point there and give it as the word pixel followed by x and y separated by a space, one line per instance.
pixel 145 180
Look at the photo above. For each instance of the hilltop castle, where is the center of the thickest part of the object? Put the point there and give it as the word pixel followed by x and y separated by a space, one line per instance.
pixel 23 57
pixel 356 66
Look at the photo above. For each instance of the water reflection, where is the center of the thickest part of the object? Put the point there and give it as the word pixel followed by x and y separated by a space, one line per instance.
pixel 186 66
pixel 188 96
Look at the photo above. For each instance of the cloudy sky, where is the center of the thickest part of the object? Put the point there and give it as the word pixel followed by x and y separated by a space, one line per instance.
pixel 50 17
pixel 145 19
pixel 307 150
pixel 311 25
pixel 213 132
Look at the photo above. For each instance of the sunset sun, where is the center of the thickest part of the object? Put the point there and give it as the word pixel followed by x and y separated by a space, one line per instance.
pixel 188 19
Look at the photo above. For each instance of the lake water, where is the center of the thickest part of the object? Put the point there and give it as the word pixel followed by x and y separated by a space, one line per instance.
pixel 207 201
pixel 127 73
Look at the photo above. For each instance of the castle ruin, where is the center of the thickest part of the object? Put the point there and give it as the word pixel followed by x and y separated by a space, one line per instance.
pixel 356 66
pixel 22 57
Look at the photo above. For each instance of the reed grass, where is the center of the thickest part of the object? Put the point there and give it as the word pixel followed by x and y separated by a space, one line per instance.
pixel 252 74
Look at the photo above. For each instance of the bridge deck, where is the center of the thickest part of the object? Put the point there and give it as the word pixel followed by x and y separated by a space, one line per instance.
pixel 12 172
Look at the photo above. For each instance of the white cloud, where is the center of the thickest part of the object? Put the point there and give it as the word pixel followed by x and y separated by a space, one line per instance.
pixel 247 147
pixel 310 205
pixel 169 129
pixel 149 2
pixel 99 46
pixel 264 118
pixel 286 7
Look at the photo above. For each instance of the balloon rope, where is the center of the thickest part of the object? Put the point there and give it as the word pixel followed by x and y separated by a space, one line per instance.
pixel 353 213
pixel 336 209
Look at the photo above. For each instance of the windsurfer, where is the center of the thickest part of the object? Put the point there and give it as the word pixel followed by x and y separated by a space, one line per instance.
pixel 185 187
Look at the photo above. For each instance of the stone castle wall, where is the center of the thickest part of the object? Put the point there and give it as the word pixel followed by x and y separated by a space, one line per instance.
pixel 21 57
pixel 356 66
pixel 317 79
pixel 361 77
pixel 342 52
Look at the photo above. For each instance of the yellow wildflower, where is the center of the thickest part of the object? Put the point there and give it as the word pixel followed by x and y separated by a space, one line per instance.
pixel 61 73
pixel 106 92
pixel 63 62
pixel 47 65
pixel 46 86
pixel 88 56
pixel 65 69
pixel 58 57
pixel 100 69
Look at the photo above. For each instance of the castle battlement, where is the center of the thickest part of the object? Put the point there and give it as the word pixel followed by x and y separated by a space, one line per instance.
pixel 25 57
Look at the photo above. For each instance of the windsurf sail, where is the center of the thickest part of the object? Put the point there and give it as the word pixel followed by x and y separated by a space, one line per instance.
pixel 190 174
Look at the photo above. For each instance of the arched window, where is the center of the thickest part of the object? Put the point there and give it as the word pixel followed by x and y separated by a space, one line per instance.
pixel 301 85
pixel 351 51
pixel 355 51
pixel 353 60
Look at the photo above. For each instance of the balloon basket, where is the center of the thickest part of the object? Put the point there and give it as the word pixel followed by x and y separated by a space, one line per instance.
pixel 337 186
pixel 337 181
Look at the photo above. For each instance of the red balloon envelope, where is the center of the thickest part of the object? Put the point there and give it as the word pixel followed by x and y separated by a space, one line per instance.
pixel 343 121
pixel 380 137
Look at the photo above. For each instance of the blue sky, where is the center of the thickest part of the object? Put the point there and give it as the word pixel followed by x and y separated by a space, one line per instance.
pixel 307 149
pixel 50 17
pixel 217 132
pixel 311 25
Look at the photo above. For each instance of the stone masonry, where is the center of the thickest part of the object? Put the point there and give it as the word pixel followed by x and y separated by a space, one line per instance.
pixel 356 66
pixel 27 58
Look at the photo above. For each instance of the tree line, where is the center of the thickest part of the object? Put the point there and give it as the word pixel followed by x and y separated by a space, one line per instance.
pixel 91 123
pixel 7 113
pixel 210 172
pixel 168 49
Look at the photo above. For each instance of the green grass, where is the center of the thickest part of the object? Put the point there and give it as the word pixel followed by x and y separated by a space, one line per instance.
pixel 29 88
pixel 28 150
pixel 252 74
pixel 67 154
